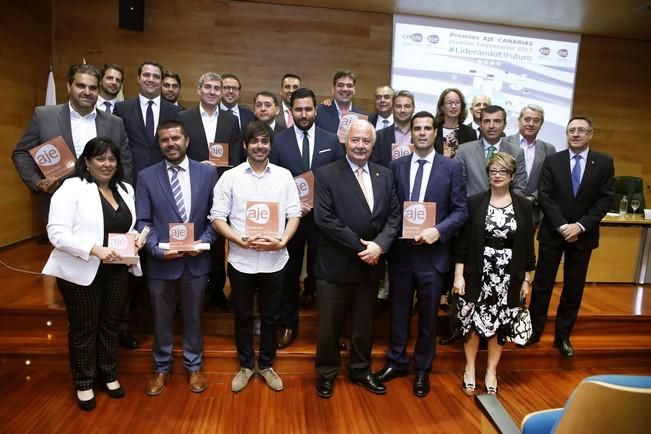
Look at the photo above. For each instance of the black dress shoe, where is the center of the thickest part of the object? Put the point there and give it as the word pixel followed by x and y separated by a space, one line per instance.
pixel 565 347
pixel 87 405
pixel 448 339
pixel 381 306
pixel 127 341
pixel 307 299
pixel 421 385
pixel 118 393
pixel 324 387
pixel 388 374
pixel 285 338
pixel 371 384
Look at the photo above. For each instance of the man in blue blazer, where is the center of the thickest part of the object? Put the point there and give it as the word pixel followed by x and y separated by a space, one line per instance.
pixel 343 90
pixel 322 147
pixel 143 113
pixel 176 190
pixel 420 264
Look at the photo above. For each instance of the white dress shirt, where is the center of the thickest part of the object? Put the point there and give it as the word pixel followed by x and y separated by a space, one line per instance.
pixel 144 103
pixel 529 152
pixel 102 106
pixel 83 128
pixel 427 169
pixel 380 122
pixel 310 137
pixel 183 176
pixel 366 175
pixel 209 123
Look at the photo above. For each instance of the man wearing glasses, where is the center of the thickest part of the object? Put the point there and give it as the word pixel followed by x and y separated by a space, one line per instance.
pixel 231 89
pixel 575 190
pixel 383 117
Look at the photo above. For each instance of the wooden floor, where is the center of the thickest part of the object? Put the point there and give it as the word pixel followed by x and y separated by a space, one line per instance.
pixel 612 335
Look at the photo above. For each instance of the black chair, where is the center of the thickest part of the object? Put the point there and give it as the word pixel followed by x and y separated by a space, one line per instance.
pixel 633 188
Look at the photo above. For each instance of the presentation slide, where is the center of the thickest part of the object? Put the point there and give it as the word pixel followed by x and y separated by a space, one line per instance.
pixel 513 66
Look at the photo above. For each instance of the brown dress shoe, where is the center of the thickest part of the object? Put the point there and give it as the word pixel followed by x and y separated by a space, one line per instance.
pixel 157 383
pixel 285 337
pixel 198 382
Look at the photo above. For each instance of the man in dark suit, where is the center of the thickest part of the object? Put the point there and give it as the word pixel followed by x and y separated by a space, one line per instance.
pixel 399 132
pixel 530 122
pixel 383 116
pixel 49 122
pixel 171 87
pixel 206 124
pixel 110 86
pixel 288 84
pixel 575 190
pixel 357 211
pixel 420 264
pixel 265 109
pixel 343 90
pixel 176 190
pixel 231 89
pixel 322 147
pixel 142 114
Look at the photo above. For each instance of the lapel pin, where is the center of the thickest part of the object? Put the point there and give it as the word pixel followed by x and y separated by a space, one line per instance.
pixel 377 174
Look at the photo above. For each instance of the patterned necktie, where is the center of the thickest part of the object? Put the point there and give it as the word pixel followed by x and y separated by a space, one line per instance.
pixel 415 191
pixel 177 193
pixel 576 174
pixel 107 107
pixel 362 184
pixel 306 151
pixel 491 151
pixel 149 122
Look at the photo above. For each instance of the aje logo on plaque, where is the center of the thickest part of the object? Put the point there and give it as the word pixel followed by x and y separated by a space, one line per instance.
pixel 53 158
pixel 417 216
pixel 345 122
pixel 126 245
pixel 182 237
pixel 261 219
pixel 218 154
pixel 305 184
pixel 398 151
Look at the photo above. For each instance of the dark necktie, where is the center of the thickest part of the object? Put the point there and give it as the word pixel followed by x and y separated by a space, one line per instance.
pixel 478 133
pixel 107 107
pixel 149 122
pixel 415 191
pixel 176 191
pixel 576 174
pixel 306 151
pixel 491 151
pixel 385 123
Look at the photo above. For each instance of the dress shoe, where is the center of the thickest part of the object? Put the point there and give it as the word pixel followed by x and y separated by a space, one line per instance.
pixel 448 339
pixel 388 374
pixel 114 390
pixel 371 384
pixel 197 382
pixel 343 346
pixel 565 347
pixel 86 399
pixel 285 338
pixel 421 385
pixel 127 341
pixel 381 306
pixel 532 340
pixel 307 299
pixel 157 383
pixel 325 387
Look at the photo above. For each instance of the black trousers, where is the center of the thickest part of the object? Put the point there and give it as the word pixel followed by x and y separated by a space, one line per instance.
pixel 334 300
pixel 93 323
pixel 575 268
pixel 217 277
pixel 243 289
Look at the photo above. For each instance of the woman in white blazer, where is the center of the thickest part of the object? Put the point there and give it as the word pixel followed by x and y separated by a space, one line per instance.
pixel 88 206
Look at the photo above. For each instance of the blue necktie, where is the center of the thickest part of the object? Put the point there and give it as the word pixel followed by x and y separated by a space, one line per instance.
pixel 576 174
pixel 107 108
pixel 178 194
pixel 415 191
pixel 149 122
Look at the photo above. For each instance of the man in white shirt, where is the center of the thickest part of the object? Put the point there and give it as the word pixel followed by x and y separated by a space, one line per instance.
pixel 383 117
pixel 171 87
pixel 109 86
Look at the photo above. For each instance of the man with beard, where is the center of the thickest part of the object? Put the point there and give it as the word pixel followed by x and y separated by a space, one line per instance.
pixel 398 133
pixel 256 261
pixel 231 91
pixel 299 149
pixel 176 190
pixel 343 89
pixel 109 86
pixel 171 87
pixel 383 116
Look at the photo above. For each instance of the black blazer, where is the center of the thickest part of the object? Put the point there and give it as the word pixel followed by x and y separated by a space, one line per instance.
pixel 382 150
pixel 285 150
pixel 588 207
pixel 464 134
pixel 227 131
pixel 342 216
pixel 469 248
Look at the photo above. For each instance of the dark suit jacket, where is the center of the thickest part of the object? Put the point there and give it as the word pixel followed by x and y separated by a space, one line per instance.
pixel 144 152
pixel 227 131
pixel 382 149
pixel 156 208
pixel 469 248
pixel 49 122
pixel 588 207
pixel 285 150
pixel 464 134
pixel 343 217
pixel 246 116
pixel 447 188
pixel 328 118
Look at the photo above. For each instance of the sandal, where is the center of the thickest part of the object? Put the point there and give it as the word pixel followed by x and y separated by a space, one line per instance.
pixel 490 390
pixel 468 388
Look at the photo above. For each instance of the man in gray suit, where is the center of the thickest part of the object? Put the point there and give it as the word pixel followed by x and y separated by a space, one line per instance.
pixel 473 155
pixel 530 122
pixel 77 121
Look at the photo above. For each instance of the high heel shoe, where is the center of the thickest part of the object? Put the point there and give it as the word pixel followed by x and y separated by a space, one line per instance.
pixel 490 390
pixel 86 399
pixel 468 388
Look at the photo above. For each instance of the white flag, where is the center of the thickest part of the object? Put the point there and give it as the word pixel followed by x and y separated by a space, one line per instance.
pixel 50 92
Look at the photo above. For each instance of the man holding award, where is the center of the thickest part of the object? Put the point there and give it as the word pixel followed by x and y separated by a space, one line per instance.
pixel 432 191
pixel 256 207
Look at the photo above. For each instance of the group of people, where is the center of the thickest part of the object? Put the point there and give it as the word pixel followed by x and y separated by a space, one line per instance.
pixel 490 192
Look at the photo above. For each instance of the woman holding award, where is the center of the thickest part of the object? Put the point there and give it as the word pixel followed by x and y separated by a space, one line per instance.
pixel 493 257
pixel 89 205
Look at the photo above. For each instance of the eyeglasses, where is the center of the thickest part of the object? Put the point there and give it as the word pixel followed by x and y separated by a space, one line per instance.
pixel 452 103
pixel 579 130
pixel 501 172
pixel 230 89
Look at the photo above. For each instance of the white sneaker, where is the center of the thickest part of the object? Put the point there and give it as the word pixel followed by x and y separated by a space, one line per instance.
pixel 272 379
pixel 241 379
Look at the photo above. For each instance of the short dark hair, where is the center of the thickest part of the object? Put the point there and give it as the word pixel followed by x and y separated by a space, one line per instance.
pixel 152 63
pixel 463 112
pixel 256 128
pixel 423 114
pixel 289 75
pixel 493 109
pixel 344 73
pixel 234 77
pixel 403 94
pixel 83 68
pixel 268 95
pixel 581 118
pixel 172 74
pixel 94 147
pixel 302 93
pixel 172 123
pixel 115 66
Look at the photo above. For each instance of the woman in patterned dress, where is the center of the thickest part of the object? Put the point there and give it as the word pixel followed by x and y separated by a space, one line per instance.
pixel 493 258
